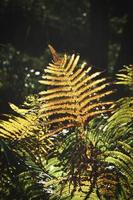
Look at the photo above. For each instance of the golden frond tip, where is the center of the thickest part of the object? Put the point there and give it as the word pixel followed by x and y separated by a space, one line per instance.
pixel 55 55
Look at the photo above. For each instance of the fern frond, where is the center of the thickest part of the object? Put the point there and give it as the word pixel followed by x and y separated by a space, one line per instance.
pixel 71 93
pixel 24 128
pixel 125 75
pixel 120 123
pixel 31 185
pixel 18 127
pixel 122 167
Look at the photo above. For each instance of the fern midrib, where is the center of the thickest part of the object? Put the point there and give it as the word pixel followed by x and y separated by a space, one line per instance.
pixel 74 93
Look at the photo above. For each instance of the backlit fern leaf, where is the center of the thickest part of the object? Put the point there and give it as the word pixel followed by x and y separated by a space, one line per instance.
pixel 72 96
pixel 18 127
pixel 24 127
pixel 125 75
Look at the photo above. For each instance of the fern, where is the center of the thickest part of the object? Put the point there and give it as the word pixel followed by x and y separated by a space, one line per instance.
pixel 120 123
pixel 22 132
pixel 24 126
pixel 19 125
pixel 70 147
pixel 125 76
pixel 94 164
pixel 72 96
pixel 31 185
pixel 21 178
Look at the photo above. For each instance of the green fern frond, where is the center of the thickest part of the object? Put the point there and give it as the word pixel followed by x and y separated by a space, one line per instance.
pixel 125 75
pixel 31 185
pixel 122 167
pixel 120 123
pixel 113 139
pixel 126 147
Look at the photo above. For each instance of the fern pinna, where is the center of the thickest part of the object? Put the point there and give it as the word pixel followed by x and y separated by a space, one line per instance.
pixel 72 96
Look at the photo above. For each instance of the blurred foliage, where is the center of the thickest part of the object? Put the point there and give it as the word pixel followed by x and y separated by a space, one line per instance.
pixel 54 20
pixel 19 74
pixel 117 25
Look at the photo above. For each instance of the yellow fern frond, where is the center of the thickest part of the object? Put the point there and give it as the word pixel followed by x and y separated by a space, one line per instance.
pixel 72 96
pixel 18 128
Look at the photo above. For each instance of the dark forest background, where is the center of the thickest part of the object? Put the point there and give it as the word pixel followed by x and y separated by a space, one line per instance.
pixel 100 30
